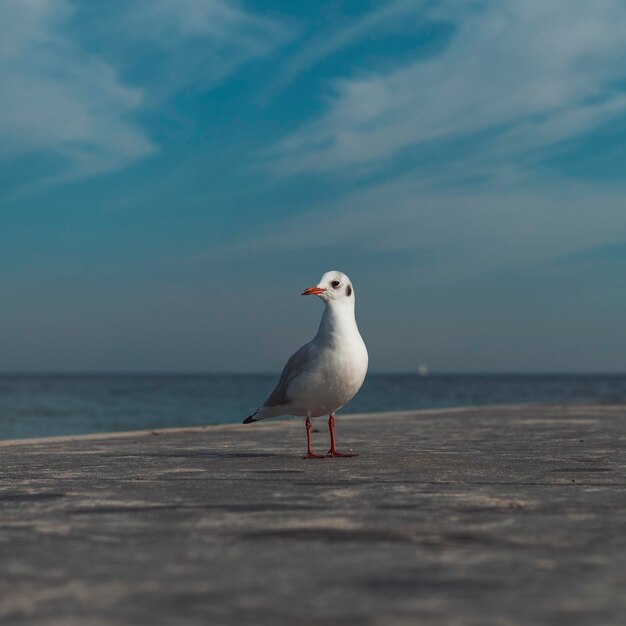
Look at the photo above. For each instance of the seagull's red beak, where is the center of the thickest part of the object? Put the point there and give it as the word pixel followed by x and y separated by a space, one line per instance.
pixel 313 291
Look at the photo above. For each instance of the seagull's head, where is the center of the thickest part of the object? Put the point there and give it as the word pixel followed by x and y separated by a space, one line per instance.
pixel 333 287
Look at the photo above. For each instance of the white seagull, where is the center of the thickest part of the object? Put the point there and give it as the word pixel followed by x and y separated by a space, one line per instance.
pixel 327 372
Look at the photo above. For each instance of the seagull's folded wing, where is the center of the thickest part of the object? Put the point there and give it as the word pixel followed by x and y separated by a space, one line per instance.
pixel 298 363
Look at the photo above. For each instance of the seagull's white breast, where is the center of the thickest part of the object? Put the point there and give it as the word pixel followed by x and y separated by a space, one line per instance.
pixel 333 376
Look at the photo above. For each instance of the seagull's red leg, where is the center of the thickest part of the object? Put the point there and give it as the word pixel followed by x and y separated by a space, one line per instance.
pixel 333 448
pixel 309 452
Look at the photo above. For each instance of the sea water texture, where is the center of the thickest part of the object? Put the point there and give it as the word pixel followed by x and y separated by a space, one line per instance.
pixel 49 405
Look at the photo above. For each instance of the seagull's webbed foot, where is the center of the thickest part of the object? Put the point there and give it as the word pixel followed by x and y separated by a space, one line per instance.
pixel 344 454
pixel 312 455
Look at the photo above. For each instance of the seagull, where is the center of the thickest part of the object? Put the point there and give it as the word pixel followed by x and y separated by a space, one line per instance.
pixel 326 373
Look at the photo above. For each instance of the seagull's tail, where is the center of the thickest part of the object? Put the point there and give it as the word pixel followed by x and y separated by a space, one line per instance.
pixel 252 418
pixel 260 414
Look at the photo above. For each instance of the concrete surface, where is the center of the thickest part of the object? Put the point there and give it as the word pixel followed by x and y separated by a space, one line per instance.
pixel 510 515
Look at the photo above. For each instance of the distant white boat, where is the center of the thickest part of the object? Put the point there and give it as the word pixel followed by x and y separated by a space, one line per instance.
pixel 422 370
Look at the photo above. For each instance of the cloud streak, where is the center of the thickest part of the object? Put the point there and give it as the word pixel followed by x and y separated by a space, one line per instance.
pixel 545 72
pixel 465 233
pixel 197 43
pixel 165 21
pixel 58 99
pixel 76 108
pixel 323 47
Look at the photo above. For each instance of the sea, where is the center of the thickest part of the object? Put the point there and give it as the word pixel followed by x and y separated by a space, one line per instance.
pixel 50 405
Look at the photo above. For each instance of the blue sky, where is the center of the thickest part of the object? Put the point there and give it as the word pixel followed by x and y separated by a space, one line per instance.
pixel 174 172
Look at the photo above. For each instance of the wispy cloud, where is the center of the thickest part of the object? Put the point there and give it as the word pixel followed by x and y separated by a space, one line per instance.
pixel 613 253
pixel 470 232
pixel 59 99
pixel 165 20
pixel 79 109
pixel 320 48
pixel 530 73
pixel 197 42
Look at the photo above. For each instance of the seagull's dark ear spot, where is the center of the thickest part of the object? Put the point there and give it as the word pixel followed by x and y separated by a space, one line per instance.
pixel 348 290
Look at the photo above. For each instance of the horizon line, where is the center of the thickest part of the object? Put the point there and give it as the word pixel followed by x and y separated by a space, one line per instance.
pixel 415 372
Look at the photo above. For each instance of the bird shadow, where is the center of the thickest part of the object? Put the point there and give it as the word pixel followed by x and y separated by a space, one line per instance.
pixel 209 454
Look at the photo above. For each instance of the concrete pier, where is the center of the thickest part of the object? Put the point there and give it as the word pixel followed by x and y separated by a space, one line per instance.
pixel 489 516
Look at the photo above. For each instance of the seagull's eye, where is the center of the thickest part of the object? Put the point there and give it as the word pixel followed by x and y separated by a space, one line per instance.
pixel 335 284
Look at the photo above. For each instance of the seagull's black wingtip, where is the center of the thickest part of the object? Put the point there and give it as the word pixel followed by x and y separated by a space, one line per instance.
pixel 249 419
